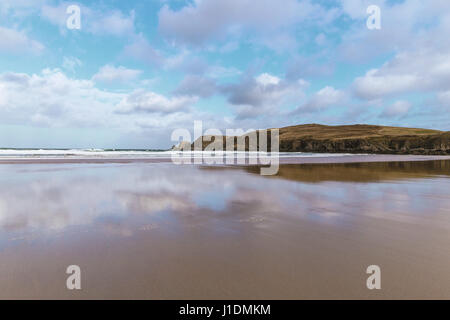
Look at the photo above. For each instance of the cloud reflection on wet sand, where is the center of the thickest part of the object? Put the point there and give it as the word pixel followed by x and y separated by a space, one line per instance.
pixel 165 231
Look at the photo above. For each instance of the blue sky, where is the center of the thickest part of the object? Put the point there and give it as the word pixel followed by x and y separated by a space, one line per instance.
pixel 137 70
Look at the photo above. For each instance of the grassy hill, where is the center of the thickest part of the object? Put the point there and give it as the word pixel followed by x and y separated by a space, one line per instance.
pixel 357 139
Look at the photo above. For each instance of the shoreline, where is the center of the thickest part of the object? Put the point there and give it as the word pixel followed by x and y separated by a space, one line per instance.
pixel 282 160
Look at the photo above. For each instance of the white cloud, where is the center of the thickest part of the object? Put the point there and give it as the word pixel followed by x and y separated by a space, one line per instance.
pixel 195 85
pixel 151 102
pixel 216 19
pixel 51 99
pixel 320 39
pixel 322 99
pixel 419 71
pixel 71 63
pixel 405 26
pixel 55 15
pixel 112 23
pixel 308 67
pixel 192 63
pixel 356 9
pixel 109 22
pixel 374 85
pixel 20 8
pixel 397 109
pixel 266 79
pixel 222 72
pixel 4 97
pixel 140 49
pixel 444 98
pixel 110 74
pixel 265 93
pixel 14 41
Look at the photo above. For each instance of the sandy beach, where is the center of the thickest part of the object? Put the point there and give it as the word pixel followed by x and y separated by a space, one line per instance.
pixel 286 159
pixel 145 230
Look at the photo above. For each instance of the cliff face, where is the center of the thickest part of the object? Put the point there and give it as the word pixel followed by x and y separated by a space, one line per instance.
pixel 364 139
pixel 431 145
pixel 359 139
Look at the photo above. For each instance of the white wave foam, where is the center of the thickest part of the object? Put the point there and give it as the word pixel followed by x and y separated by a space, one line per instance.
pixel 101 153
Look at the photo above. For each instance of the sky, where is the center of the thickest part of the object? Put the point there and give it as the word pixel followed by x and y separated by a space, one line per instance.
pixel 131 72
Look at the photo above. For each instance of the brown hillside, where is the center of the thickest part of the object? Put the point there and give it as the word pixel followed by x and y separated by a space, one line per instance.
pixel 358 139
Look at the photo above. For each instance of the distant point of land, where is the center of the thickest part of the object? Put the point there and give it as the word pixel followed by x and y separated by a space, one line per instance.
pixel 358 138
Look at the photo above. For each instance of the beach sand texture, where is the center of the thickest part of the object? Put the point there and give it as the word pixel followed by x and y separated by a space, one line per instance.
pixel 142 230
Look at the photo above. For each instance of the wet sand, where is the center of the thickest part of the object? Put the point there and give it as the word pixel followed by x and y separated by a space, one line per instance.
pixel 282 160
pixel 158 231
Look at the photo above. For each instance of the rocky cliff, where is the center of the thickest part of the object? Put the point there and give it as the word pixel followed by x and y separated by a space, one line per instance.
pixel 357 139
